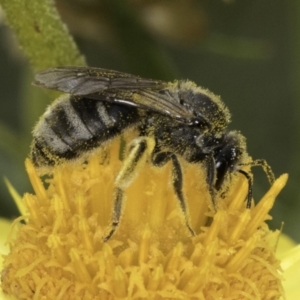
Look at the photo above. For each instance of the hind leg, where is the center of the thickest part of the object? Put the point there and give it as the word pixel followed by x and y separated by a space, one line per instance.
pixel 139 151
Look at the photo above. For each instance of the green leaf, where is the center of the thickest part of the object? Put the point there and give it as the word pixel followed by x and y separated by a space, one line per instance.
pixel 43 37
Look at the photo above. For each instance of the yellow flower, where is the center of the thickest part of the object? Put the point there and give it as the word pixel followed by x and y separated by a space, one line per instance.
pixel 60 253
pixel 289 254
pixel 4 250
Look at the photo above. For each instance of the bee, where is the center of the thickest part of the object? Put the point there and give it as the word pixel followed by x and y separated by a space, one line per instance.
pixel 178 119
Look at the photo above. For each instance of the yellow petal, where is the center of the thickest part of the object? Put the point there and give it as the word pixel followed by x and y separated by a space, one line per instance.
pixel 5 227
pixel 290 263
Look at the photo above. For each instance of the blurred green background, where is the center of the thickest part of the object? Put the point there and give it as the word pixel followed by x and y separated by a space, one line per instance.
pixel 246 51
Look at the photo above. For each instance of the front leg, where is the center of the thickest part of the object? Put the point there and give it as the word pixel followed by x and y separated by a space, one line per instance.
pixel 140 149
pixel 160 159
pixel 210 166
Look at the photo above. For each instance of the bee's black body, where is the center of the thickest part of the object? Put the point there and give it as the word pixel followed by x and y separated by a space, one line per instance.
pixel 64 141
pixel 182 118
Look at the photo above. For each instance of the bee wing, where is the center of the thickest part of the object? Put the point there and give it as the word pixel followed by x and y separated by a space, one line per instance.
pixel 111 86
pixel 162 103
pixel 86 80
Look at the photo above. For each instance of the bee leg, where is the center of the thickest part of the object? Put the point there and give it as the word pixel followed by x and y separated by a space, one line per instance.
pixel 264 165
pixel 267 169
pixel 250 186
pixel 140 149
pixel 160 159
pixel 116 213
pixel 211 178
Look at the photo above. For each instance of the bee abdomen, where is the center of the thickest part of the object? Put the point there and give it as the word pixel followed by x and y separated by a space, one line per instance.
pixel 74 125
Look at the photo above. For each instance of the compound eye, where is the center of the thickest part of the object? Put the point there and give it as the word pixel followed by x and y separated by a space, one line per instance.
pixel 233 154
pixel 221 169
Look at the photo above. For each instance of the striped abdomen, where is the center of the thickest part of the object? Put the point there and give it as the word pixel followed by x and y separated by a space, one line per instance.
pixel 74 125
